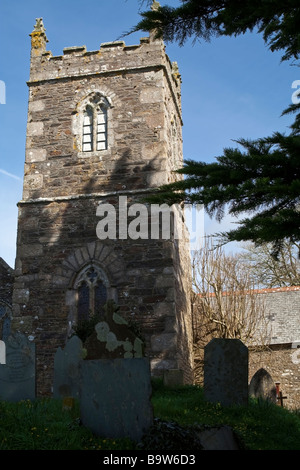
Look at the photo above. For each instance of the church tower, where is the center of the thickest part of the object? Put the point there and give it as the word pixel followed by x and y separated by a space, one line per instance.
pixel 103 131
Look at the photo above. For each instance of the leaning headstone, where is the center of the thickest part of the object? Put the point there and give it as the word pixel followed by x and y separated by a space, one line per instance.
pixel 66 369
pixel 226 372
pixel 219 438
pixel 263 386
pixel 115 397
pixel 2 352
pixel 17 376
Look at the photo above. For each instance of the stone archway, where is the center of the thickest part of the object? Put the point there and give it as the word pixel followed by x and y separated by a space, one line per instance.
pixel 98 256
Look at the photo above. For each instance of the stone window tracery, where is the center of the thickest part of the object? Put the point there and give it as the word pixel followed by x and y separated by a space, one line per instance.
pixel 94 131
pixel 92 292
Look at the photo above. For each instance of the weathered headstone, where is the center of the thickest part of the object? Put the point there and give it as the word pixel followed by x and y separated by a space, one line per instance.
pixel 17 376
pixel 263 386
pixel 226 372
pixel 115 397
pixel 113 338
pixel 66 369
pixel 173 377
pixel 2 352
pixel 219 438
pixel 5 321
pixel 68 403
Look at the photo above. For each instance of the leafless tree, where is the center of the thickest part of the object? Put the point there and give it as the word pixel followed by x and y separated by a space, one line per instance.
pixel 225 302
pixel 268 270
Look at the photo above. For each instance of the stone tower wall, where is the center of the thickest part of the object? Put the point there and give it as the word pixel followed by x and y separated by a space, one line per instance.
pixel 63 186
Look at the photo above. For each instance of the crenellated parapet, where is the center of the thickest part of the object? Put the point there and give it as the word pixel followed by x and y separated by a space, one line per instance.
pixel 112 58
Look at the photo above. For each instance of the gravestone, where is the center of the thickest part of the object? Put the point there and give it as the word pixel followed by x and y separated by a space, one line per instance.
pixel 263 386
pixel 111 378
pixel 173 377
pixel 5 321
pixel 218 438
pixel 115 397
pixel 115 381
pixel 66 369
pixel 113 338
pixel 2 352
pixel 226 372
pixel 17 376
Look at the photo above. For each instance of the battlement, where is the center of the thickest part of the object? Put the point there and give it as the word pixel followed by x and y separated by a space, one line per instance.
pixel 112 58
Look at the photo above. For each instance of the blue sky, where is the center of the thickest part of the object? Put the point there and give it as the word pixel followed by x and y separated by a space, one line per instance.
pixel 231 87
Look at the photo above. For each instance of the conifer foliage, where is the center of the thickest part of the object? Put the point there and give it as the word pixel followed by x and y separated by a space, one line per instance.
pixel 277 20
pixel 260 180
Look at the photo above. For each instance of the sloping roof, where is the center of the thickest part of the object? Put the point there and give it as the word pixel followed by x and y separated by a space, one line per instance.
pixel 282 311
pixel 6 282
pixel 5 267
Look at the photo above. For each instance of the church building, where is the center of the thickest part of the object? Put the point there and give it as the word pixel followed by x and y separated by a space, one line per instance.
pixel 104 130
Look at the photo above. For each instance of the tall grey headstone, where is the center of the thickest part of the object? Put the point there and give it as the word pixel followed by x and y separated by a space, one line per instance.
pixel 173 377
pixel 2 352
pixel 17 376
pixel 263 386
pixel 66 369
pixel 115 397
pixel 226 372
pixel 5 320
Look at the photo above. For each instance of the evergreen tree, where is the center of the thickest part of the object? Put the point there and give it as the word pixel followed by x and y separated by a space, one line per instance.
pixel 277 20
pixel 263 177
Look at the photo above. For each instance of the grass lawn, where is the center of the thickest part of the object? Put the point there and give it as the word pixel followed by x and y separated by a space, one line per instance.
pixel 44 425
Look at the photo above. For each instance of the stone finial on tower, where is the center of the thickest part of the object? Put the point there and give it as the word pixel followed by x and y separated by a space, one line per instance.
pixel 175 71
pixel 155 5
pixel 38 38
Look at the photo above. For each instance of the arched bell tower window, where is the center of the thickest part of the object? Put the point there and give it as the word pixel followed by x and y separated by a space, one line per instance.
pixel 94 132
pixel 91 287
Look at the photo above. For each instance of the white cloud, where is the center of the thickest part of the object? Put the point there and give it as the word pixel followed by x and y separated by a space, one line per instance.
pixel 11 175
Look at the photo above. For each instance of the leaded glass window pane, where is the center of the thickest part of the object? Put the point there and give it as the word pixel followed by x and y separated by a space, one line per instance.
pixel 100 297
pixel 87 136
pixel 83 302
pixel 101 129
pixel 94 133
